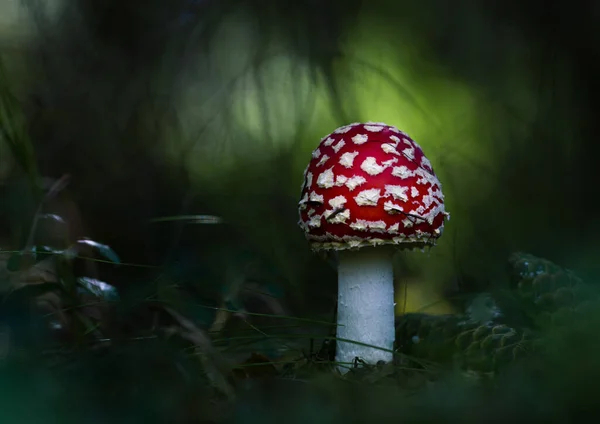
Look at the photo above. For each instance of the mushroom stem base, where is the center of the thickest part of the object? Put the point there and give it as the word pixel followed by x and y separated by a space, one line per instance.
pixel 365 306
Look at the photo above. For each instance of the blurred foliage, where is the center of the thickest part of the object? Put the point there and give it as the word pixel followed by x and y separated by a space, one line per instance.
pixel 117 116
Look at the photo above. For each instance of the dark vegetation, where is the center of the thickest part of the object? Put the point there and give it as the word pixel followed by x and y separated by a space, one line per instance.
pixel 220 313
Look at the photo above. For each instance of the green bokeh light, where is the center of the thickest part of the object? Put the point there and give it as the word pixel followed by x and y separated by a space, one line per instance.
pixel 278 104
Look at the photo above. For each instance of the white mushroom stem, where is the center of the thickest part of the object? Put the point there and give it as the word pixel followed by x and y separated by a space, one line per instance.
pixel 365 305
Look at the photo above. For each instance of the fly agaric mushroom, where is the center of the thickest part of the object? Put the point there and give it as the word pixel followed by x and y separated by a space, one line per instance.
pixel 369 188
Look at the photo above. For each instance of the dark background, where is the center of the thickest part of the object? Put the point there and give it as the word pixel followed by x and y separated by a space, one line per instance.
pixel 100 86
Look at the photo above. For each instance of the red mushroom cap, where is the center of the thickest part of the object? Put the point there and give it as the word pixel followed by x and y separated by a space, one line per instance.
pixel 370 184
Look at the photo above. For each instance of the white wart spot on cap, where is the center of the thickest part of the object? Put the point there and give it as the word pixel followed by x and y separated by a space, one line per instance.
pixel 360 139
pixel 390 149
pixel 377 226
pixel 374 128
pixel 364 225
pixel 323 159
pixel 316 153
pixel 340 180
pixel 309 179
pixel 315 221
pixel 389 162
pixel 347 159
pixel 359 225
pixel 426 177
pixel 397 192
pixel 305 174
pixel 414 192
pixel 368 197
pixel 402 172
pixel 302 203
pixel 428 199
pixel 317 198
pixel 430 216
pixel 329 141
pixel 354 242
pixel 425 162
pixel 355 181
pixel 392 208
pixel 338 146
pixel 326 179
pixel 337 202
pixel 371 167
pixel 435 191
pixel 409 152
pixel 338 217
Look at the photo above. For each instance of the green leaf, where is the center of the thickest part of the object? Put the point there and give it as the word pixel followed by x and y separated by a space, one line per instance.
pixel 13 130
pixel 191 219
pixel 53 217
pixel 99 288
pixel 103 249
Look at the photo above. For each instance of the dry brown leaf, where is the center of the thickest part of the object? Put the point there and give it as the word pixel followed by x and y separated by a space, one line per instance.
pixel 221 318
